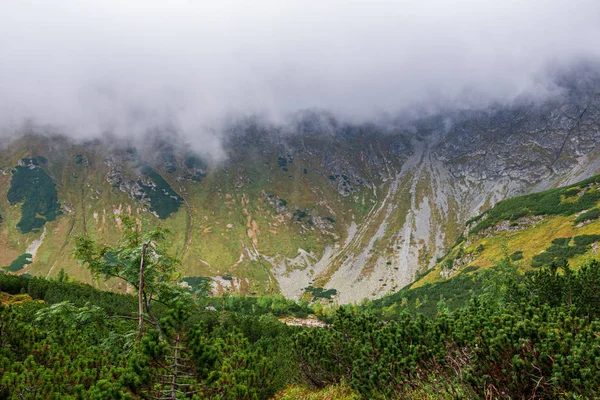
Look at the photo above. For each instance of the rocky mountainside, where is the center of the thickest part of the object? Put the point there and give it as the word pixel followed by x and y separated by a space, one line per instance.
pixel 316 208
pixel 559 225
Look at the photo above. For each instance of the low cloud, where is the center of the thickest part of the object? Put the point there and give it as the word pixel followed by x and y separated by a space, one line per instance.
pixel 89 67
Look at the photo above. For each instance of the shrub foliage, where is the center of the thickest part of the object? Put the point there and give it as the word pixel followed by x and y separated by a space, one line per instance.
pixel 32 186
pixel 532 336
pixel 567 200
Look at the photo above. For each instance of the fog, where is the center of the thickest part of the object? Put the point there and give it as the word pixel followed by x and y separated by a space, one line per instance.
pixel 88 67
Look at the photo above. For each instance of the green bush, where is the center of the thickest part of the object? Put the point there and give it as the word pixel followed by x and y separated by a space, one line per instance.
pixel 539 340
pixel 19 263
pixel 470 268
pixel 456 292
pixel 320 293
pixel 585 240
pixel 590 215
pixel 532 336
pixel 32 186
pixel 560 252
pixel 517 255
pixel 163 199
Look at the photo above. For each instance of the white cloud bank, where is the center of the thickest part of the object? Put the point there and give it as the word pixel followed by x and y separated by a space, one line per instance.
pixel 124 66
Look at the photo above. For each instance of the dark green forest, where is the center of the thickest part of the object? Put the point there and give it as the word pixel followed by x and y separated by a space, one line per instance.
pixel 493 334
pixel 34 188
pixel 163 199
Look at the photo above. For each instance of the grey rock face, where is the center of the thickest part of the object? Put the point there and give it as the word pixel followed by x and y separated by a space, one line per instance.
pixel 524 142
pixel 374 204
pixel 452 173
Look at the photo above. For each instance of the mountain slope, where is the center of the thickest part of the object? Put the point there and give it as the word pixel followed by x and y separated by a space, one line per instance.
pixel 557 225
pixel 314 208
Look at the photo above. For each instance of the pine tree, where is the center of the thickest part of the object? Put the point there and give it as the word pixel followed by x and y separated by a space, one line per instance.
pixel 141 261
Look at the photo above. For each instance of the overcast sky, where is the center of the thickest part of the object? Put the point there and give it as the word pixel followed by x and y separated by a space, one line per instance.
pixel 125 65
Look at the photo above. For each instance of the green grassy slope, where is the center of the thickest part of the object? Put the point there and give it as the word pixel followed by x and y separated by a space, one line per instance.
pixel 224 219
pixel 559 225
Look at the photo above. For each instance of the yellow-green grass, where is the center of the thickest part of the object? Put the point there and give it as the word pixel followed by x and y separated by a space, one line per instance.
pixel 531 241
pixel 333 392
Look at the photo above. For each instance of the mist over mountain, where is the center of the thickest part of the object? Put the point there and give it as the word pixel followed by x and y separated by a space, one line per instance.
pixel 313 204
pixel 86 68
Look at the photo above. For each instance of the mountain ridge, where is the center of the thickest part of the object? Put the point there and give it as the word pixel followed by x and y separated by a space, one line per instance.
pixel 354 209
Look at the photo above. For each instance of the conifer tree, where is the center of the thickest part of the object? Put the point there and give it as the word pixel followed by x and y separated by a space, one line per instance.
pixel 141 261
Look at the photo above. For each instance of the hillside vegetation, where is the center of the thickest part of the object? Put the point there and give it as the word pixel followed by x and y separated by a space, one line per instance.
pixel 530 337
pixel 489 333
pixel 32 187
pixel 251 219
pixel 569 200
pixel 316 207
pixel 559 226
